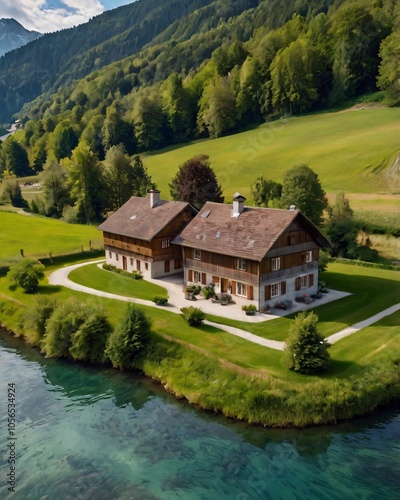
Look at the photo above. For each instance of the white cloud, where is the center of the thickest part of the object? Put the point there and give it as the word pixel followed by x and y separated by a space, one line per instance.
pixel 36 14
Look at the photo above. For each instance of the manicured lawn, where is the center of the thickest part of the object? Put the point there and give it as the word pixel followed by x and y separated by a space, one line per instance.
pixel 372 290
pixel 111 282
pixel 39 236
pixel 349 356
pixel 348 149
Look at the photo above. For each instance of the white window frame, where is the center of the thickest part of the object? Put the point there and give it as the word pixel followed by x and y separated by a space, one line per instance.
pixel 276 292
pixel 305 281
pixel 309 256
pixel 196 277
pixel 241 264
pixel 165 243
pixel 275 263
pixel 241 289
pixel 197 254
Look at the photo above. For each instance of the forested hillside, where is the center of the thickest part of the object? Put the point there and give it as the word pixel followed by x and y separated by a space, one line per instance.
pixel 212 72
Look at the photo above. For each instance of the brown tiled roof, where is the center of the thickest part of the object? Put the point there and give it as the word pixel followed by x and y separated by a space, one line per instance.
pixel 137 219
pixel 250 235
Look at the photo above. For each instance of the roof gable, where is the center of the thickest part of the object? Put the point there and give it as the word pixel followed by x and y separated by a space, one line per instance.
pixel 137 219
pixel 250 235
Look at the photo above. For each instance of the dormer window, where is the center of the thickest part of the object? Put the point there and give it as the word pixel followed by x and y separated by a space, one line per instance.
pixel 241 264
pixel 166 243
pixel 197 254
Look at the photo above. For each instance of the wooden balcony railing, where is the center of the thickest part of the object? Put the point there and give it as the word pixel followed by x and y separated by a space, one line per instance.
pixel 225 272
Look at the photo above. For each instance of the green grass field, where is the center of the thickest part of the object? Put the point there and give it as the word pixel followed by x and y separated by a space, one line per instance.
pixel 111 282
pixel 361 374
pixel 38 236
pixel 349 150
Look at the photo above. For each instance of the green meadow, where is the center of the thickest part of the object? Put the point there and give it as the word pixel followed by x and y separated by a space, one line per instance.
pixel 351 150
pixel 38 236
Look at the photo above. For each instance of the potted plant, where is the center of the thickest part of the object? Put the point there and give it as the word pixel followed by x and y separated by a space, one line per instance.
pixel 249 309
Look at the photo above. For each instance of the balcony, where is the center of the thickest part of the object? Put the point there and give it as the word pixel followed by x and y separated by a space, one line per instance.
pixel 306 268
pixel 225 272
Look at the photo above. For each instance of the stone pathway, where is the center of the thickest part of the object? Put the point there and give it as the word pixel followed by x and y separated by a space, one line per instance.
pixel 176 301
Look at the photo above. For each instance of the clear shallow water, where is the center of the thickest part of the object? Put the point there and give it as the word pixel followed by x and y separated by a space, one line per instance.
pixel 85 432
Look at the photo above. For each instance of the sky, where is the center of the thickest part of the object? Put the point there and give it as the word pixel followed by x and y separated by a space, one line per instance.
pixel 52 15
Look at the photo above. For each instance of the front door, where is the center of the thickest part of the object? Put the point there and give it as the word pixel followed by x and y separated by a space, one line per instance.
pixel 224 285
pixel 124 263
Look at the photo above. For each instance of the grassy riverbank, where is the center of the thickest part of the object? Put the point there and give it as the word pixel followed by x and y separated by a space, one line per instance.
pixel 220 372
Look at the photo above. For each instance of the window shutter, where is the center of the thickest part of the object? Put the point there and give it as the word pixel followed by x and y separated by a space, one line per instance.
pixel 190 276
pixel 311 279
pixel 203 278
pixel 234 287
pixel 267 292
pixel 315 254
pixel 283 287
pixel 249 292
pixel 297 283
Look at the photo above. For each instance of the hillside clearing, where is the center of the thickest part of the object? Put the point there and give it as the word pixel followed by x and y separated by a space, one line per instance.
pixel 349 151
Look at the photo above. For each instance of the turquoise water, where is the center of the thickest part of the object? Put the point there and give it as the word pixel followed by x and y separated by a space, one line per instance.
pixel 84 432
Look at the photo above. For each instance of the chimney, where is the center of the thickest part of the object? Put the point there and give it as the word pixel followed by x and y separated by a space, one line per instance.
pixel 292 208
pixel 238 204
pixel 154 197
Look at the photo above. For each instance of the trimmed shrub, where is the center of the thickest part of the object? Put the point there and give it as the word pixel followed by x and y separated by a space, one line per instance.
pixel 160 301
pixel 249 308
pixel 194 289
pixel 193 315
pixel 306 350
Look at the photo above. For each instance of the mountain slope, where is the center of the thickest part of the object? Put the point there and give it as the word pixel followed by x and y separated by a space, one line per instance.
pixel 77 51
pixel 13 35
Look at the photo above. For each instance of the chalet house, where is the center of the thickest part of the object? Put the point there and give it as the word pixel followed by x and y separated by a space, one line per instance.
pixel 262 254
pixel 139 235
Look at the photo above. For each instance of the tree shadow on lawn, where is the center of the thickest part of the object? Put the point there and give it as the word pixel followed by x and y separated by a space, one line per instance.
pixel 341 369
pixel 49 289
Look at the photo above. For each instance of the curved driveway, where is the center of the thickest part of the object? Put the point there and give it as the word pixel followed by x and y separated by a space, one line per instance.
pixel 60 277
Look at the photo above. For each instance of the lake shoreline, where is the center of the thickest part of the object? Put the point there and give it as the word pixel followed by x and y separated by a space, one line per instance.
pixel 259 402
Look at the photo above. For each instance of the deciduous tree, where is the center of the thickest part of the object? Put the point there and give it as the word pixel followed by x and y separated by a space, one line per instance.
pixel 301 187
pixel 27 273
pixel 196 183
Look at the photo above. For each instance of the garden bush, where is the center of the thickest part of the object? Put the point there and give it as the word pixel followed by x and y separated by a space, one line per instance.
pixel 160 301
pixel 26 274
pixel 208 291
pixel 193 315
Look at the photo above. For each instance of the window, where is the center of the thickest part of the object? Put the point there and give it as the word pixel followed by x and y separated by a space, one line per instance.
pixel 241 264
pixel 291 240
pixel 196 277
pixel 116 257
pixel 166 243
pixel 305 281
pixel 241 289
pixel 110 255
pixel 309 256
pixel 276 263
pixel 197 254
pixel 275 290
pixel 131 261
pixel 138 265
pixel 146 266
pixel 166 266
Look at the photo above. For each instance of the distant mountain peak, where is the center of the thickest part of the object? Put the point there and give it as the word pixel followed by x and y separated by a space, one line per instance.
pixel 13 35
